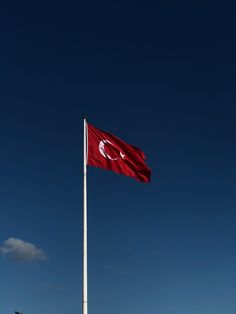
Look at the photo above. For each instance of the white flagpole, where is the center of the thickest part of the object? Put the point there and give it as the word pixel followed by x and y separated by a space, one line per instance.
pixel 85 266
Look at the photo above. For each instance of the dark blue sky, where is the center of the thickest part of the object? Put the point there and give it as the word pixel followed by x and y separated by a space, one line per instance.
pixel 161 77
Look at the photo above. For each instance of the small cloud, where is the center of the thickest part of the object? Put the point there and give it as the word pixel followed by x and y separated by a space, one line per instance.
pixel 22 251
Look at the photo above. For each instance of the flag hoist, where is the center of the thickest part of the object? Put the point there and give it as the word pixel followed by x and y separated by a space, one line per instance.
pixel 104 150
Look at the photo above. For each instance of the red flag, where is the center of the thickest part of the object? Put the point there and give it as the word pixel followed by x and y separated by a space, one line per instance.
pixel 109 152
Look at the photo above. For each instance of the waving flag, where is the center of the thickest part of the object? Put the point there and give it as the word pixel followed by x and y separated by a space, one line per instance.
pixel 111 153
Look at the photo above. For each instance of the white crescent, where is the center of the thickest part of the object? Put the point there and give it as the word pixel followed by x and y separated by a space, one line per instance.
pixel 102 151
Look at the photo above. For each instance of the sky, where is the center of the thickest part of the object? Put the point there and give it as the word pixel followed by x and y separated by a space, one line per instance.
pixel 160 76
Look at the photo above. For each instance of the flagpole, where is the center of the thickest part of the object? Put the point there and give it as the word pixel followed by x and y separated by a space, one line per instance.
pixel 85 262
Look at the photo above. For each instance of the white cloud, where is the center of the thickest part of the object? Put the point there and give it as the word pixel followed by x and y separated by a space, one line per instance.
pixel 20 250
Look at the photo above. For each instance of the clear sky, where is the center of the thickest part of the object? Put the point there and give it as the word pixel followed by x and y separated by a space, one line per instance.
pixel 161 77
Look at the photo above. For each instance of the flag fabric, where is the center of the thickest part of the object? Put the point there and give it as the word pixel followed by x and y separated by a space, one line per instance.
pixel 111 153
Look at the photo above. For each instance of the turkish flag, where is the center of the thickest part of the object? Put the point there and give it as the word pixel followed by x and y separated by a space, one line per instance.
pixel 111 153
